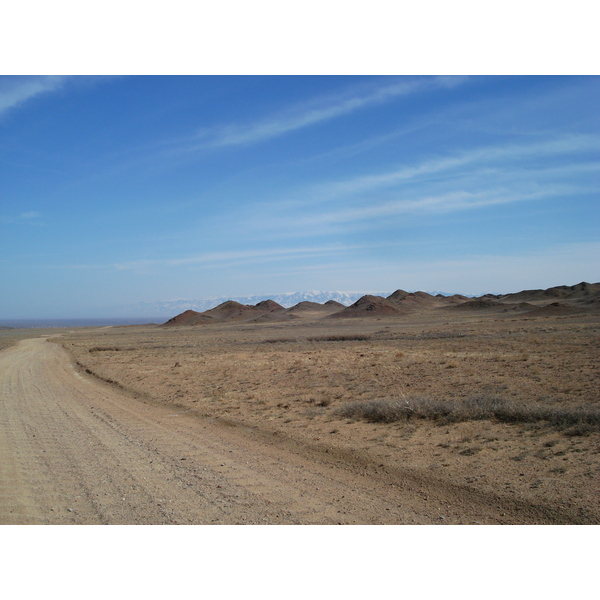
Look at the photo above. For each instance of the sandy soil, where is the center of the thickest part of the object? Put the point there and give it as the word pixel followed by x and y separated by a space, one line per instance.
pixel 240 423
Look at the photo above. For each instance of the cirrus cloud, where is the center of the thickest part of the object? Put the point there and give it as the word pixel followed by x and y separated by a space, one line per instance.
pixel 320 110
pixel 15 91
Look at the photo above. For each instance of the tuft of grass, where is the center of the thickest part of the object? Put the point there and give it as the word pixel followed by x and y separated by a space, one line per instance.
pixel 340 338
pixel 109 349
pixel 105 349
pixel 581 419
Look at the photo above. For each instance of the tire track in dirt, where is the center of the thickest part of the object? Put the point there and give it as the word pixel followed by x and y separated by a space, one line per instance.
pixel 73 450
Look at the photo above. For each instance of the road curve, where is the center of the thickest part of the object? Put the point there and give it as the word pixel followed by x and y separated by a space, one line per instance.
pixel 76 451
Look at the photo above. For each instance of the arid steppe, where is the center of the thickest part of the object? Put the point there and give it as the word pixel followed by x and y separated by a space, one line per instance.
pixel 414 408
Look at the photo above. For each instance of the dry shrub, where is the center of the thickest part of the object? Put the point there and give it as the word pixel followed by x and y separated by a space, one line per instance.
pixel 110 349
pixel 376 411
pixel 105 349
pixel 340 338
pixel 582 419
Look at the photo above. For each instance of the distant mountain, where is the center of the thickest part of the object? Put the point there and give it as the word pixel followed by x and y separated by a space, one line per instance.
pixel 581 294
pixel 173 307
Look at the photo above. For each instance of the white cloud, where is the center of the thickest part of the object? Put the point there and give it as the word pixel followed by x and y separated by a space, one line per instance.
pixel 28 216
pixel 320 110
pixel 469 180
pixel 492 154
pixel 32 214
pixel 236 257
pixel 14 91
pixel 289 222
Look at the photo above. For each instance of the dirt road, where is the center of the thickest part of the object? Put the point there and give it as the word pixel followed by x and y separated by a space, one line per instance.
pixel 75 451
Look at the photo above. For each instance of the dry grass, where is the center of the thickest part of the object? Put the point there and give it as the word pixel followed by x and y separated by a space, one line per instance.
pixel 583 419
pixel 109 349
pixel 340 338
pixel 480 374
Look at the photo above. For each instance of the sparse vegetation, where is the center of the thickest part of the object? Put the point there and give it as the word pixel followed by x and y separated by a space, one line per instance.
pixel 582 419
pixel 356 337
pixel 110 349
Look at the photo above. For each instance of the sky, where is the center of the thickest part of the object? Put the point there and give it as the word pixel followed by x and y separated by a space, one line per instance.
pixel 116 190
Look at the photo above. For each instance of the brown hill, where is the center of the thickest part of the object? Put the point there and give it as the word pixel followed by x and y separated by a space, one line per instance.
pixel 335 303
pixel 268 306
pixel 371 305
pixel 267 310
pixel 580 291
pixel 233 311
pixel 414 300
pixel 398 295
pixel 455 299
pixel 274 316
pixel 314 308
pixel 305 306
pixel 478 304
pixel 189 317
pixel 552 310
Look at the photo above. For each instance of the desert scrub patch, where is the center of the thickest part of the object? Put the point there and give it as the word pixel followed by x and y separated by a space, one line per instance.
pixel 105 349
pixel 112 349
pixel 378 411
pixel 340 338
pixel 311 413
pixel 581 419
pixel 470 451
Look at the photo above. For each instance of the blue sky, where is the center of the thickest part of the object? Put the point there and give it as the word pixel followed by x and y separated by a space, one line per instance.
pixel 118 190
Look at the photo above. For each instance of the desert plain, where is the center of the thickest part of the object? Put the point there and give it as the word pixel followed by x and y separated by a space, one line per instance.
pixel 410 409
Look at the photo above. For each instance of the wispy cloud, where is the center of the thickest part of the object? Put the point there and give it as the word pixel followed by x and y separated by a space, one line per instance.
pixel 319 110
pixel 463 181
pixel 15 91
pixel 319 222
pixel 234 257
pixel 31 214
pixel 492 155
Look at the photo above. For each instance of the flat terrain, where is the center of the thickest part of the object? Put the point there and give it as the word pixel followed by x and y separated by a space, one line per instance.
pixel 261 422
